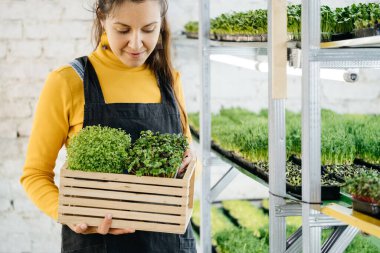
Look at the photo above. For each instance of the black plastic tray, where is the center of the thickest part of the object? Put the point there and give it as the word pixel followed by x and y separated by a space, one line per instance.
pixel 342 36
pixel 366 207
pixel 327 192
pixel 367 164
pixel 341 179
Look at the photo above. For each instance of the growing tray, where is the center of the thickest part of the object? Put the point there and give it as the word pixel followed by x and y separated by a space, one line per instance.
pixel 142 203
pixel 194 35
pixel 241 37
pixel 191 35
pixel 366 207
pixel 367 164
pixel 328 192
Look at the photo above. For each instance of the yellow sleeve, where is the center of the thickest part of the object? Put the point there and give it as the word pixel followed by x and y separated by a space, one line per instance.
pixel 182 107
pixel 49 134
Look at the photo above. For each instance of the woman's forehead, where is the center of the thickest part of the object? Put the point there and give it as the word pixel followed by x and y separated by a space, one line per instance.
pixel 146 11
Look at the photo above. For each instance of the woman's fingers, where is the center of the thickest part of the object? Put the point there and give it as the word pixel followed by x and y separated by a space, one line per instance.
pixel 105 226
pixel 120 231
pixel 187 156
pixel 78 228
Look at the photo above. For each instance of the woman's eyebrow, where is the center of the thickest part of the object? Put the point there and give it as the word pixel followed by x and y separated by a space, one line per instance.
pixel 119 23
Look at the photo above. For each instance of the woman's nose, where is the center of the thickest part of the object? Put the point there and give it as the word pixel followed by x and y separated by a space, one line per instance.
pixel 135 42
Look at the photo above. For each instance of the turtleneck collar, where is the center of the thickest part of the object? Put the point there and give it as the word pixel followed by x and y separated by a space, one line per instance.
pixel 104 54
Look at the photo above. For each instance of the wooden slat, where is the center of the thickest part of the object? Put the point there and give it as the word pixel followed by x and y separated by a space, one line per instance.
pixel 145 226
pixel 366 223
pixel 123 196
pixel 279 38
pixel 127 187
pixel 191 191
pixel 123 178
pixel 357 42
pixel 131 178
pixel 190 170
pixel 120 205
pixel 117 214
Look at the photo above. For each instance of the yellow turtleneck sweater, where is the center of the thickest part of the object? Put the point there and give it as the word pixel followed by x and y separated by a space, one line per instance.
pixel 59 116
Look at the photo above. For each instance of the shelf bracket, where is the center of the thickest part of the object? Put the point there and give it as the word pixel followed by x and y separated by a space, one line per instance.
pixel 339 239
pixel 223 182
pixel 294 242
pixel 321 220
pixel 290 209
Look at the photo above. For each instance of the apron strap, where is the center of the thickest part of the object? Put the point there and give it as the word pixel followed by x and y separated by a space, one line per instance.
pixel 78 65
pixel 92 90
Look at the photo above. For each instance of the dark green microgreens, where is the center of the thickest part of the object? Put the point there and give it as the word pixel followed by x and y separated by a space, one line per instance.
pixel 155 154
pixel 365 187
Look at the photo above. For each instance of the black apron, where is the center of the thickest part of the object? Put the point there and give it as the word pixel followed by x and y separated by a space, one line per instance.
pixel 133 118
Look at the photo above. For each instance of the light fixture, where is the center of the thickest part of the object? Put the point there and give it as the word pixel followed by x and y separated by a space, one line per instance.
pixel 327 74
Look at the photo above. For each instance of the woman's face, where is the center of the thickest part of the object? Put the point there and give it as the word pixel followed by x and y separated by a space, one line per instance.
pixel 133 30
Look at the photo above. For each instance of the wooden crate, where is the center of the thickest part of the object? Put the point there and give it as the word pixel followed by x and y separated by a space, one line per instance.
pixel 143 203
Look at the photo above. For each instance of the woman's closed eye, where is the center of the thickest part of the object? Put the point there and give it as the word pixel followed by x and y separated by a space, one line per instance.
pixel 144 30
pixel 148 31
pixel 123 31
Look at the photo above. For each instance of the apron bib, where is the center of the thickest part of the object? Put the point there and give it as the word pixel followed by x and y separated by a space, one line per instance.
pixel 133 118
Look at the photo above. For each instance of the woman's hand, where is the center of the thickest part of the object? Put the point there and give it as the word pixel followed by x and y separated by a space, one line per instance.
pixel 187 157
pixel 104 228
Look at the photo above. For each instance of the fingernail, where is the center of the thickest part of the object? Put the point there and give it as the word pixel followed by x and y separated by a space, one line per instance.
pixel 83 226
pixel 109 216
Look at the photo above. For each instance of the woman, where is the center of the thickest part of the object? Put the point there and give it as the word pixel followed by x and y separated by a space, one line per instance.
pixel 128 82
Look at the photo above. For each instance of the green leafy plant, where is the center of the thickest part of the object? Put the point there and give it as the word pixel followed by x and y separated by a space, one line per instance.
pixel 365 15
pixel 249 217
pixel 327 22
pixel 191 26
pixel 239 241
pixel 344 137
pixel 219 222
pixel 365 187
pixel 348 171
pixel 253 22
pixel 344 20
pixel 294 21
pixel 98 149
pixel 155 154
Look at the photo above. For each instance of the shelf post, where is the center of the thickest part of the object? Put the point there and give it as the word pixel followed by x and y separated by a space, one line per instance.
pixel 311 126
pixel 277 50
pixel 205 124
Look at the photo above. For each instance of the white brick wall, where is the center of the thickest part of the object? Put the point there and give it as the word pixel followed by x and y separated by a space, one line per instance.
pixel 29 49
pixel 37 36
pixel 11 29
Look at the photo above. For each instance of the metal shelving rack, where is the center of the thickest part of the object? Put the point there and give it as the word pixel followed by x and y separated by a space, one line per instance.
pixel 308 238
pixel 313 58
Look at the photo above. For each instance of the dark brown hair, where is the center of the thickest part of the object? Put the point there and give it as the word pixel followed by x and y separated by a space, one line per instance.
pixel 159 60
